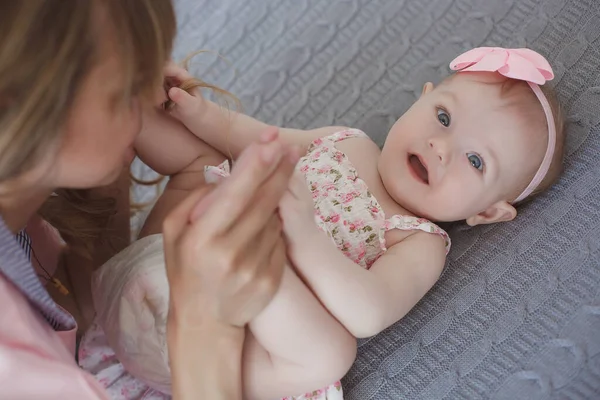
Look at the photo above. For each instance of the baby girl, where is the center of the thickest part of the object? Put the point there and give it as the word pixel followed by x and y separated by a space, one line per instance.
pixel 362 247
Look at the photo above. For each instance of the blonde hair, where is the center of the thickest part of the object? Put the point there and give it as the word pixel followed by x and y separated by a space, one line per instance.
pixel 46 50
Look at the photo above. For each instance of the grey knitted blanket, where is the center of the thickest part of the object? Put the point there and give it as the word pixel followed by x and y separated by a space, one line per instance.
pixel 517 313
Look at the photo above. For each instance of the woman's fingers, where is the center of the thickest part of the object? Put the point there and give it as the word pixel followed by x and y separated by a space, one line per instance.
pixel 262 245
pixel 256 165
pixel 258 274
pixel 178 219
pixel 272 256
pixel 263 206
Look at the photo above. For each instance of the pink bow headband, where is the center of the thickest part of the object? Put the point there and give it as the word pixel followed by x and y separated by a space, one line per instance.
pixel 524 65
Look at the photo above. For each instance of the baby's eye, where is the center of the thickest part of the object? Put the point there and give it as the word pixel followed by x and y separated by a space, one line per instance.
pixel 475 161
pixel 443 117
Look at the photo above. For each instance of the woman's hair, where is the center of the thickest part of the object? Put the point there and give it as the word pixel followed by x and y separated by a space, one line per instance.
pixel 46 50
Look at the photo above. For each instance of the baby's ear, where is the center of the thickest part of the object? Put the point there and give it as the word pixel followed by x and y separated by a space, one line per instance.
pixel 501 211
pixel 428 87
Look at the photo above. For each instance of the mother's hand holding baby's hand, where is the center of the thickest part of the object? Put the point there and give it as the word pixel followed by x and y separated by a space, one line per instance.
pixel 225 254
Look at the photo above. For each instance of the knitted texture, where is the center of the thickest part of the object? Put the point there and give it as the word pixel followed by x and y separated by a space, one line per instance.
pixel 516 315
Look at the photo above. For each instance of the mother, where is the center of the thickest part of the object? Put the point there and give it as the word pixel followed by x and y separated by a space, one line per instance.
pixel 75 77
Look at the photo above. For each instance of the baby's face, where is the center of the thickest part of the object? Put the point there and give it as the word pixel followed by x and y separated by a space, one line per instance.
pixel 460 150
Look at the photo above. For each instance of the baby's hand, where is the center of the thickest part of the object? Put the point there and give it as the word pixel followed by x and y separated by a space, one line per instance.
pixel 297 212
pixel 185 100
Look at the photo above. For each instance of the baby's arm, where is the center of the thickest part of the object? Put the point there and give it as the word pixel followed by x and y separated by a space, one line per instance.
pixel 364 301
pixel 226 130
pixel 368 301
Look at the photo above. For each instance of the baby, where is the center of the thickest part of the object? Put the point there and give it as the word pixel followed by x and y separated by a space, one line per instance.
pixel 362 246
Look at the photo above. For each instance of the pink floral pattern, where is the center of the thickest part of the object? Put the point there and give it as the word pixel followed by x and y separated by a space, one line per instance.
pixel 99 359
pixel 344 208
pixel 331 392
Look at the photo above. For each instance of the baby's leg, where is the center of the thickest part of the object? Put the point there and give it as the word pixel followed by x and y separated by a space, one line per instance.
pixel 294 345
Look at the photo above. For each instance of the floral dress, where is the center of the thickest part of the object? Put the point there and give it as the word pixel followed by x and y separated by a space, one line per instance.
pixel 344 208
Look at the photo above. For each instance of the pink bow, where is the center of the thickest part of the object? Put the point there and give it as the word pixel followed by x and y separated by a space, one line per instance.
pixel 522 64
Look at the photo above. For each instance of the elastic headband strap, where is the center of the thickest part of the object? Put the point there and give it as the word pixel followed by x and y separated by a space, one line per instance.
pixel 547 160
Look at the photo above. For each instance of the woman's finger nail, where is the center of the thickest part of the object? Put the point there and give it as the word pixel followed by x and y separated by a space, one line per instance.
pixel 269 153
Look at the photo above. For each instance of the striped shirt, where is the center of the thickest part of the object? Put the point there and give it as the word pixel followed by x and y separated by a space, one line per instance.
pixel 25 242
pixel 15 265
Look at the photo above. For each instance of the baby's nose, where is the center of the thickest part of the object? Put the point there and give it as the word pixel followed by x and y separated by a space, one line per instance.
pixel 439 146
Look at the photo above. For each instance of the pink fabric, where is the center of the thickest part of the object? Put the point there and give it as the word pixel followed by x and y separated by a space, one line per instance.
pixel 68 338
pixel 521 64
pixel 35 361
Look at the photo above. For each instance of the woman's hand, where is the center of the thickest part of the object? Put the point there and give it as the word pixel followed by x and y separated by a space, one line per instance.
pixel 298 214
pixel 225 255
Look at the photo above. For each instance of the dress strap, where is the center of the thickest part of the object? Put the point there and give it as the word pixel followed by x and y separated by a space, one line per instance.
pixel 342 135
pixel 410 223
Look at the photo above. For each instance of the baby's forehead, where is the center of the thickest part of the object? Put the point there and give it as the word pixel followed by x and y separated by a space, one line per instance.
pixel 482 89
pixel 503 115
pixel 488 95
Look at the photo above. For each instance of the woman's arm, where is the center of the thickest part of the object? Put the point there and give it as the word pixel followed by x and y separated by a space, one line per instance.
pixel 220 276
pixel 206 361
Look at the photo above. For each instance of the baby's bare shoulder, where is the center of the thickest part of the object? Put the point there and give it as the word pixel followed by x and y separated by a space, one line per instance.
pixel 359 148
pixel 423 248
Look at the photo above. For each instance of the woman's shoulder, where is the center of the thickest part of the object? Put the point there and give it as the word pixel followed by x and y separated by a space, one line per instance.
pixel 35 352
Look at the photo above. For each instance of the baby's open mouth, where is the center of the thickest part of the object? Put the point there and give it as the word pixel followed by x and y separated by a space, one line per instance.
pixel 418 169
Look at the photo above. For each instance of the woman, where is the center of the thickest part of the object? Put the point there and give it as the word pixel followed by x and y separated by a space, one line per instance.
pixel 75 77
